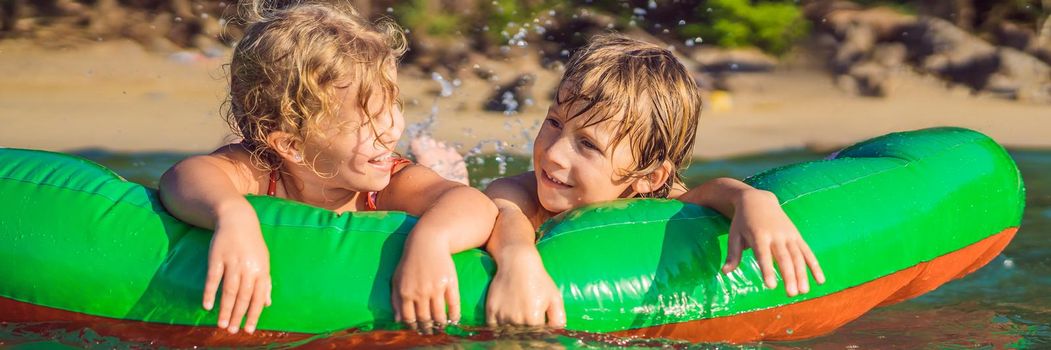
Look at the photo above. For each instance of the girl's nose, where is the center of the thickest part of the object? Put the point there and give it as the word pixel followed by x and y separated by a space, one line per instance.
pixel 390 129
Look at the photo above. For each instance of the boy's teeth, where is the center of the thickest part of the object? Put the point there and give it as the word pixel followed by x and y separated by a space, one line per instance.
pixel 553 179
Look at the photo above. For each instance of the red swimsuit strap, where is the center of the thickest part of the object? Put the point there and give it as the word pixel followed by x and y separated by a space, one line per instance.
pixel 272 189
pixel 370 197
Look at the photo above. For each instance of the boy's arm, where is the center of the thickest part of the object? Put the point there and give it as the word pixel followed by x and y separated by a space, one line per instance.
pixel 204 191
pixel 522 293
pixel 760 223
pixel 452 218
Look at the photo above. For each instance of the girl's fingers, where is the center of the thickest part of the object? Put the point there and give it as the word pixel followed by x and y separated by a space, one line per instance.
pixel 424 321
pixel 535 317
pixel 231 284
pixel 766 265
pixel 788 271
pixel 408 313
pixel 733 253
pixel 452 297
pixel 803 280
pixel 244 299
pixel 269 290
pixel 211 283
pixel 438 311
pixel 490 317
pixel 259 300
pixel 395 303
pixel 556 313
pixel 811 261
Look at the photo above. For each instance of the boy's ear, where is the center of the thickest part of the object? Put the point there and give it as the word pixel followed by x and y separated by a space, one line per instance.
pixel 286 145
pixel 654 180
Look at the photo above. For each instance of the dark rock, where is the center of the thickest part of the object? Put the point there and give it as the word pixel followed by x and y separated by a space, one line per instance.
pixel 940 47
pixel 871 79
pixel 890 55
pixel 1030 75
pixel 513 97
pixel 1014 36
pixel 858 42
pixel 716 60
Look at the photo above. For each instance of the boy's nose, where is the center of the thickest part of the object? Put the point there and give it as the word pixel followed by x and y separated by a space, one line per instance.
pixel 558 152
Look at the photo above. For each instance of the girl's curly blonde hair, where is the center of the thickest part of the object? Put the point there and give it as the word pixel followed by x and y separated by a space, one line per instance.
pixel 285 70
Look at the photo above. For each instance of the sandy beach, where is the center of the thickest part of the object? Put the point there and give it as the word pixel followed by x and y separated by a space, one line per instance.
pixel 116 96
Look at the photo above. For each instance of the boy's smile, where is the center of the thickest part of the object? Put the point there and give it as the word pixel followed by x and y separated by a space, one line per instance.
pixel 573 164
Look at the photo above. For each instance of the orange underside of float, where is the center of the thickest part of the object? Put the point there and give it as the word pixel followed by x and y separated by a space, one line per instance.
pixel 796 321
pixel 822 315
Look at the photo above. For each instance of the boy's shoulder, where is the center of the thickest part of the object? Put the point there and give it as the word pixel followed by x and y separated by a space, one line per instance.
pixel 519 189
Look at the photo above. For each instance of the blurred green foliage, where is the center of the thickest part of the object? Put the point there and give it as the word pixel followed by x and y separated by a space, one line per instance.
pixel 423 16
pixel 504 18
pixel 769 25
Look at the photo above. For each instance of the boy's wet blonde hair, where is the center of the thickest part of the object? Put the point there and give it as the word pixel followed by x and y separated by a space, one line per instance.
pixel 653 95
pixel 285 71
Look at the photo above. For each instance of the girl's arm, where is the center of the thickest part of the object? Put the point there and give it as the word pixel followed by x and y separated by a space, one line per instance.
pixel 522 293
pixel 452 218
pixel 760 223
pixel 208 191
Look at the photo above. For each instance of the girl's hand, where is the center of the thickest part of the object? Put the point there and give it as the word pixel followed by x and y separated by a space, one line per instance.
pixel 523 294
pixel 239 257
pixel 760 223
pixel 423 284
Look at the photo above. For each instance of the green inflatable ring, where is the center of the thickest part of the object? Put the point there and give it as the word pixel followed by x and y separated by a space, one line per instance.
pixel 75 236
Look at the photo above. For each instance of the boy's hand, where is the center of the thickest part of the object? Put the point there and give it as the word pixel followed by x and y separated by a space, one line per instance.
pixel 761 224
pixel 523 294
pixel 238 256
pixel 423 284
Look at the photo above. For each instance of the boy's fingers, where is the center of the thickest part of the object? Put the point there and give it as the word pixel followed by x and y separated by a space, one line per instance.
pixel 733 253
pixel 811 261
pixel 231 283
pixel 803 280
pixel 256 308
pixel 766 265
pixel 244 299
pixel 556 314
pixel 788 271
pixel 452 297
pixel 211 284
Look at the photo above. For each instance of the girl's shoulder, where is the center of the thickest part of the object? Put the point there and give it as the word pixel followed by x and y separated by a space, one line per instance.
pixel 241 166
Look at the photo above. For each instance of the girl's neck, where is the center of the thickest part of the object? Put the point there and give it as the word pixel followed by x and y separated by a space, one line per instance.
pixel 319 195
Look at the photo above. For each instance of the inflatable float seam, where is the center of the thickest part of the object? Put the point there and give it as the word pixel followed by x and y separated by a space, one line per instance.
pixel 341 229
pixel 164 213
pixel 841 184
pixel 555 235
pixel 93 193
pixel 907 163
